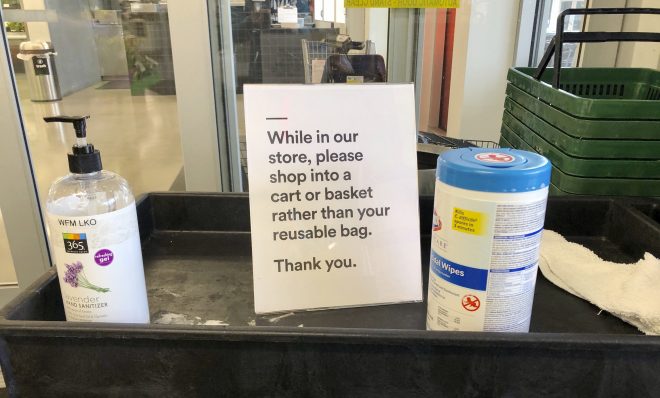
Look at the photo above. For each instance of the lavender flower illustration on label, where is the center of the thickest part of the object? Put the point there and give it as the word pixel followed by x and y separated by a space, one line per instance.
pixel 75 276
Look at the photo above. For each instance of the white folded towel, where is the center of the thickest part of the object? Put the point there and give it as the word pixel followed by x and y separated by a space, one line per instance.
pixel 628 291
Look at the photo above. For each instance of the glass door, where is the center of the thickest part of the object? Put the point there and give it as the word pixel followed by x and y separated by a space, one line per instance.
pixel 23 250
pixel 134 67
pixel 108 59
pixel 302 42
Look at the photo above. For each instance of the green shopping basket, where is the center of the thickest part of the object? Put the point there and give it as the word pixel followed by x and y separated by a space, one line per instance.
pixel 586 185
pixel 610 168
pixel 553 190
pixel 585 128
pixel 594 93
pixel 579 146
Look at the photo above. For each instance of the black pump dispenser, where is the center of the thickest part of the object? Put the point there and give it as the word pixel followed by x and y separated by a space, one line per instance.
pixel 84 158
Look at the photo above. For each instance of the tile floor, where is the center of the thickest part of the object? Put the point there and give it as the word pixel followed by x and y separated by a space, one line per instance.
pixel 138 137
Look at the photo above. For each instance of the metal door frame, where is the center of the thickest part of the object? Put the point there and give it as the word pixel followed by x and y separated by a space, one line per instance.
pixel 18 193
pixel 203 135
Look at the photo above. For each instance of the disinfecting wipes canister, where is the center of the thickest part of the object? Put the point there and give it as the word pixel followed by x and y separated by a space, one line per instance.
pixel 487 223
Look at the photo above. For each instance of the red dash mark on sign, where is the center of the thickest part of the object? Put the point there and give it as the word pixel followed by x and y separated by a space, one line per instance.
pixel 470 302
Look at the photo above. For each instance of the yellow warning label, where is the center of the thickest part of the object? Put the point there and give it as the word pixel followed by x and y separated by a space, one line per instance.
pixel 401 3
pixel 470 222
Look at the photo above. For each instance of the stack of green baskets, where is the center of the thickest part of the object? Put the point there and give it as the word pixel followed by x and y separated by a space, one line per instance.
pixel 600 130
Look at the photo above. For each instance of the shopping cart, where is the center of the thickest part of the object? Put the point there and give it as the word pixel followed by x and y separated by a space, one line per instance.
pixel 316 53
pixel 428 138
pixel 429 146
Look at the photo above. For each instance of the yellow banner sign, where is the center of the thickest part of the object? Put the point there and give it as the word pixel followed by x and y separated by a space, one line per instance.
pixel 402 3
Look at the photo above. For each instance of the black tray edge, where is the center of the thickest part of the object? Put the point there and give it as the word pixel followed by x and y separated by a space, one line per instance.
pixel 560 341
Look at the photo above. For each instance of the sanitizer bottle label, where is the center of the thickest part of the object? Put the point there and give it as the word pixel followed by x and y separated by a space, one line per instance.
pixel 484 259
pixel 99 265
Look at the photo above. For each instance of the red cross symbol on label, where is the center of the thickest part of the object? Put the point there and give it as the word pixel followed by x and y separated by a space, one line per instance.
pixel 471 302
pixel 494 157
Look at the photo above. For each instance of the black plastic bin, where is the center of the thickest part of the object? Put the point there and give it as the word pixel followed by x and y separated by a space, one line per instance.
pixel 197 260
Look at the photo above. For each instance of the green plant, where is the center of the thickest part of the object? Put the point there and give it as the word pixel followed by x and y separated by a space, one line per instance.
pixel 14 27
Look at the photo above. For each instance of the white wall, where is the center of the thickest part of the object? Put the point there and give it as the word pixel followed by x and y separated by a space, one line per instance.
pixel 355 23
pixel 72 35
pixel 69 29
pixel 38 31
pixel 367 24
pixel 602 54
pixel 622 55
pixel 376 24
pixel 640 55
pixel 484 45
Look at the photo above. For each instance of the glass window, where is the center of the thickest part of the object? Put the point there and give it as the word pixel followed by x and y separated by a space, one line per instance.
pixel 596 54
pixel 111 60
pixel 271 47
pixel 330 11
pixel 550 10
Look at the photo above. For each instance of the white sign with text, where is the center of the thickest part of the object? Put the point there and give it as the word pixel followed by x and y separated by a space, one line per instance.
pixel 333 195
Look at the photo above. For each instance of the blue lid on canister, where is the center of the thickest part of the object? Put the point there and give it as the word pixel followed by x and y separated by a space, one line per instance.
pixel 494 170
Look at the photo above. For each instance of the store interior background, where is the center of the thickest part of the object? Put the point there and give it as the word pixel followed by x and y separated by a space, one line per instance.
pixel 115 61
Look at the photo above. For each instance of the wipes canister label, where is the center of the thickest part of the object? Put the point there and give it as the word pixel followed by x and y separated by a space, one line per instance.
pixel 484 259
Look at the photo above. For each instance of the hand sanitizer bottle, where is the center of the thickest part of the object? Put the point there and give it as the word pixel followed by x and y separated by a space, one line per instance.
pixel 94 238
